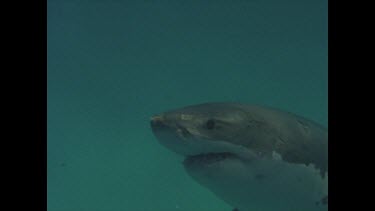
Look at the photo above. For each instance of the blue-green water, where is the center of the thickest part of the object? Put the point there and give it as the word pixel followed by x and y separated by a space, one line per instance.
pixel 112 64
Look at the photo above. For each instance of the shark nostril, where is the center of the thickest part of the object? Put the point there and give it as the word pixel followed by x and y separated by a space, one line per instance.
pixel 183 132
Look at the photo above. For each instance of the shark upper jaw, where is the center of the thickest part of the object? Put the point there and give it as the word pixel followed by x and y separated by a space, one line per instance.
pixel 182 141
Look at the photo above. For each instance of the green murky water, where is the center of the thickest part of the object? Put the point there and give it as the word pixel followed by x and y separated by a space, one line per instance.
pixel 112 64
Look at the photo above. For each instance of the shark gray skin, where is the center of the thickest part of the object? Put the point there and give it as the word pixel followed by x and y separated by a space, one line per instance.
pixel 254 158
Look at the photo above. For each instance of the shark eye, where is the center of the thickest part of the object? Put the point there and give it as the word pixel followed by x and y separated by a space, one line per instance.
pixel 210 124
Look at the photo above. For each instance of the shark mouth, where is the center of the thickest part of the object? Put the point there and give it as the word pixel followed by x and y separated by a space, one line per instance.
pixel 208 158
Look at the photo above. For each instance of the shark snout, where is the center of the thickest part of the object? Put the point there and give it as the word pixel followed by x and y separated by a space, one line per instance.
pixel 158 122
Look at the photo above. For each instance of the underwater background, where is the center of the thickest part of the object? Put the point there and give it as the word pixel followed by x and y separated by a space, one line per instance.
pixel 114 63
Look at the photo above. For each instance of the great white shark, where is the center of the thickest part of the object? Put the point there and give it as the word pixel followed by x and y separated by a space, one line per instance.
pixel 255 158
